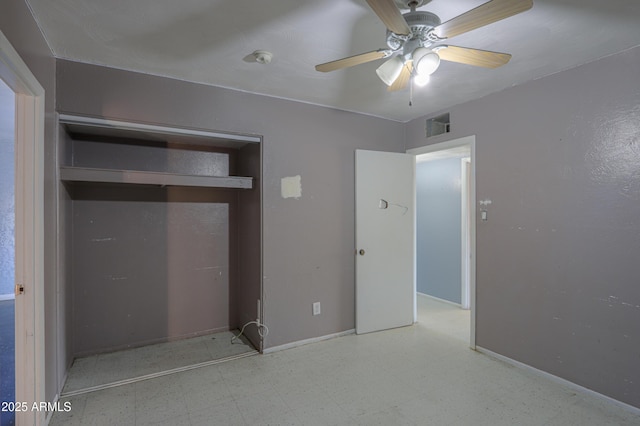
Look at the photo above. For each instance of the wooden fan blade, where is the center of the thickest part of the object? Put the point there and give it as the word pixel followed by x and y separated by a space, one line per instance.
pixel 390 16
pixel 351 61
pixel 485 14
pixel 479 58
pixel 403 79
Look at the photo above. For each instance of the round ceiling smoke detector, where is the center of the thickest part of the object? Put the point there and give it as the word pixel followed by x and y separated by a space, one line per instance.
pixel 262 56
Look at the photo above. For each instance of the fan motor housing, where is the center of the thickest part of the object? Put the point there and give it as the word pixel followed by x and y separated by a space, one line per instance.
pixel 420 24
pixel 420 20
pixel 408 4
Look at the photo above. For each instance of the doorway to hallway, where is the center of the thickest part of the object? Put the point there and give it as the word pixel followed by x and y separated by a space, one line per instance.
pixel 445 230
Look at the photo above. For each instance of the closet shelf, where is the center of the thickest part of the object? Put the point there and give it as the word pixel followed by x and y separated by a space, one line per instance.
pixel 84 174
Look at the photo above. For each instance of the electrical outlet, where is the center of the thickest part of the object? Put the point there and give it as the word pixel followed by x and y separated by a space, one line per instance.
pixel 316 308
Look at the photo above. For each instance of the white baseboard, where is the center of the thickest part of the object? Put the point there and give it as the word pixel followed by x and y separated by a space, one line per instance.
pixel 439 300
pixel 307 341
pixel 559 380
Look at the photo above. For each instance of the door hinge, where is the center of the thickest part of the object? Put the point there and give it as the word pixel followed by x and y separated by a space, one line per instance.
pixel 19 289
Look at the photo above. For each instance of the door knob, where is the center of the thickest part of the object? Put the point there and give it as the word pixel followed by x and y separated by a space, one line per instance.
pixel 361 252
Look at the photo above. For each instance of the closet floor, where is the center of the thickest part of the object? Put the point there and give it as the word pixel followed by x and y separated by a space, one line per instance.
pixel 121 367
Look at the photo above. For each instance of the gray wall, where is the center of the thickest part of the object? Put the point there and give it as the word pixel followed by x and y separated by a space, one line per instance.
pixel 557 275
pixel 556 278
pixel 308 242
pixel 149 264
pixel 20 28
pixel 439 233
pixel 245 292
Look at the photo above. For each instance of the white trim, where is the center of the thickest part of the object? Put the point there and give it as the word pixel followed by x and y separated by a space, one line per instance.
pixel 449 302
pixel 29 228
pixel 456 143
pixel 469 141
pixel 143 127
pixel 9 296
pixel 414 237
pixel 559 380
pixel 465 240
pixel 472 244
pixel 307 341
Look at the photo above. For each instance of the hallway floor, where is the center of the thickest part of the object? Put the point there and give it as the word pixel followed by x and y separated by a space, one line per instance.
pixel 419 375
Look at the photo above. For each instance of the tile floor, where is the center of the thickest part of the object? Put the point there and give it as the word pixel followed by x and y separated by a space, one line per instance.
pixel 102 369
pixel 419 375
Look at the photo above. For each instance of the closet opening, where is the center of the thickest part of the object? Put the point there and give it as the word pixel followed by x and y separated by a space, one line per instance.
pixel 161 233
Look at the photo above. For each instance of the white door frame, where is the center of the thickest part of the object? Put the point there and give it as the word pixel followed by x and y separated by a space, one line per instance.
pixel 470 142
pixel 29 231
pixel 466 216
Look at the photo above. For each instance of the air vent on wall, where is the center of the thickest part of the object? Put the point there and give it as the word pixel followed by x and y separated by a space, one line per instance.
pixel 438 125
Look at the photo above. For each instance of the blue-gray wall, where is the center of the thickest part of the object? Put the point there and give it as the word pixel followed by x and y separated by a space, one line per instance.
pixel 439 218
pixel 7 196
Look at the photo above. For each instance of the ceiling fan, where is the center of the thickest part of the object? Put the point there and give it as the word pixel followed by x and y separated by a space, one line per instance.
pixel 414 38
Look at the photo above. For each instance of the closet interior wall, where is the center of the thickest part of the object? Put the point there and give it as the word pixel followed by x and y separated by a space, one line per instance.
pixel 149 263
pixel 248 288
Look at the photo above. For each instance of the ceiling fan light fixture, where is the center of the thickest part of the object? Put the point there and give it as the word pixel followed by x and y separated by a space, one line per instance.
pixel 421 80
pixel 425 61
pixel 390 70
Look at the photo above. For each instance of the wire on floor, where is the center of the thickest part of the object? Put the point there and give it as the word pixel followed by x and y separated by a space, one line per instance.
pixel 263 330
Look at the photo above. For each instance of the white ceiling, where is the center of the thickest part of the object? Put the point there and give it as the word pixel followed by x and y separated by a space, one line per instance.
pixel 210 42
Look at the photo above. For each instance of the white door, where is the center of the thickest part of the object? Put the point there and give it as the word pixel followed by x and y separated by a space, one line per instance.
pixel 385 240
